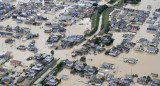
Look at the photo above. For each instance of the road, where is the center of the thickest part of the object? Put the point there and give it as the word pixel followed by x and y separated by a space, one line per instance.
pixel 46 73
pixel 41 73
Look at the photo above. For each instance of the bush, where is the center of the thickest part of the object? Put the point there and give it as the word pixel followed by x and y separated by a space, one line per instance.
pixel 132 1
pixel 102 8
pixel 105 21
pixel 95 4
pixel 73 72
pixel 112 1
pixel 134 75
pixel 107 52
pixel 120 3
pixel 94 24
pixel 109 42
pixel 102 79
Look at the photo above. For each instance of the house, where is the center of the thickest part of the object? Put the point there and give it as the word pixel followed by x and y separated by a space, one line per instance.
pixel 30 35
pixel 158 34
pixel 9 41
pixel 104 74
pixel 128 77
pixel 130 60
pixel 124 83
pixel 142 80
pixel 156 82
pixel 37 67
pixel 64 76
pixel 21 79
pixel 4 58
pixel 15 62
pixel 154 75
pixel 110 77
pixel 48 30
pixel 78 66
pixel 68 63
pixel 52 82
pixel 153 44
pixel 83 59
pixel 6 79
pixel 114 52
pixel 3 71
pixel 152 50
pixel 139 48
pixel 88 71
pixel 152 30
pixel 107 65
pixel 9 53
pixel 145 43
pixel 12 84
pixel 95 82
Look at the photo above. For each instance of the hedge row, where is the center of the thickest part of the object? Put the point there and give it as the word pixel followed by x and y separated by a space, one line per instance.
pixel 95 20
pixel 112 1
pixel 105 21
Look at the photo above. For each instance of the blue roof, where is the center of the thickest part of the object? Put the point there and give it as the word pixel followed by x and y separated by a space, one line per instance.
pixel 73 36
pixel 158 33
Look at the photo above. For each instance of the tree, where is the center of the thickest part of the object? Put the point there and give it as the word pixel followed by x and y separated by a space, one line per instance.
pixel 125 1
pixel 95 4
pixel 149 78
pixel 52 52
pixel 103 79
pixel 107 52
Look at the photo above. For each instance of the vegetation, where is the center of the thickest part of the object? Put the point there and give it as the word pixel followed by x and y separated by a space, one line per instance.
pixel 119 4
pixel 103 79
pixel 96 69
pixel 95 20
pixel 107 52
pixel 97 40
pixel 102 8
pixel 134 75
pixel 95 4
pixel 112 1
pixel 73 72
pixel 52 52
pixel 109 42
pixel 58 68
pixel 43 71
pixel 132 1
pixel 105 20
pixel 94 24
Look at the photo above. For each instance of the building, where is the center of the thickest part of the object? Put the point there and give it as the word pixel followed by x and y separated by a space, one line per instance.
pixel 3 71
pixel 15 62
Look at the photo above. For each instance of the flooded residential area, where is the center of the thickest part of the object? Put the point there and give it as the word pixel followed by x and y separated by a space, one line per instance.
pixel 79 42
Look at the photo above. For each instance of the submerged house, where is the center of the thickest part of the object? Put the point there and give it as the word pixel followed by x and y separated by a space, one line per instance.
pixel 68 63
pixel 107 65
pixel 142 80
pixel 152 50
pixel 15 62
pixel 130 60
pixel 30 35
pixel 114 52
pixel 3 71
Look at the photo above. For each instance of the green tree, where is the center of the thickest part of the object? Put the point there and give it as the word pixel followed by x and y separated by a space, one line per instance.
pixel 52 52
pixel 95 4
pixel 125 1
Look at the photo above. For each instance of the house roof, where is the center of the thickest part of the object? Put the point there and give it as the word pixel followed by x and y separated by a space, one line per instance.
pixel 15 61
pixel 8 53
pixel 3 69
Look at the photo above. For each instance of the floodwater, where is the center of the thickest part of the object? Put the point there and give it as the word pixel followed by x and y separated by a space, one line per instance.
pixel 147 63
